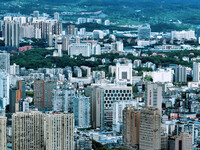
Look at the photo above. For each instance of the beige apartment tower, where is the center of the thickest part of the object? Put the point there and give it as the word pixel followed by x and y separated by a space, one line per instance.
pixel 28 131
pixel 150 129
pixel 131 127
pixel 183 142
pixel 59 131
pixel 3 140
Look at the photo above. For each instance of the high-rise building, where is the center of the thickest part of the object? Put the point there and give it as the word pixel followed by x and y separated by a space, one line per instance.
pixel 17 94
pixel 3 138
pixel 153 95
pixel 56 16
pixel 81 111
pixel 65 43
pixel 180 74
pixel 14 69
pixel 36 14
pixel 12 33
pixel 124 72
pixel 43 94
pixel 57 28
pixel 118 108
pixel 21 85
pixel 150 129
pixel 137 63
pixel 59 47
pixel 4 90
pixel 63 98
pixel 71 29
pixel 131 127
pixel 144 32
pixel 196 72
pixel 59 131
pixel 28 131
pixel 183 142
pixel 102 99
pixel 5 62
pixel 15 97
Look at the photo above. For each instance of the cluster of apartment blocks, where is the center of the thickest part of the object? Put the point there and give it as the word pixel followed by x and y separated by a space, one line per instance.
pixel 35 130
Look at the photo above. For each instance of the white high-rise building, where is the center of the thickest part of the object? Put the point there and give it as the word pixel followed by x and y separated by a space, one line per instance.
pixel 63 98
pixel 179 35
pixel 81 111
pixel 12 32
pixel 14 69
pixel 160 75
pixel 153 95
pixel 5 62
pixel 60 47
pixel 56 16
pixel 196 72
pixel 118 108
pixel 27 31
pixel 98 34
pixel 21 20
pixel 28 130
pixel 59 131
pixel 124 72
pixel 96 50
pixel 80 48
pixel 120 46
pixel 3 138
pixel 4 90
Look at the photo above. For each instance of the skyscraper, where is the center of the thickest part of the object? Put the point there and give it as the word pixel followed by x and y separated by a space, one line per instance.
pixel 63 98
pixel 4 90
pixel 12 34
pixel 71 29
pixel 5 62
pixel 59 131
pixel 183 142
pixel 81 111
pixel 196 72
pixel 3 138
pixel 180 74
pixel 102 99
pixel 131 127
pixel 150 129
pixel 15 96
pixel 43 94
pixel 28 131
pixel 153 95
pixel 14 69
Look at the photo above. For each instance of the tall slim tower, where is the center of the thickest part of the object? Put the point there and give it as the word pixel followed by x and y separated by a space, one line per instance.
pixel 150 129
pixel 3 139
pixel 5 62
pixel 196 72
pixel 28 131
pixel 59 131
pixel 59 47
pixel 131 127
pixel 12 34
pixel 153 95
